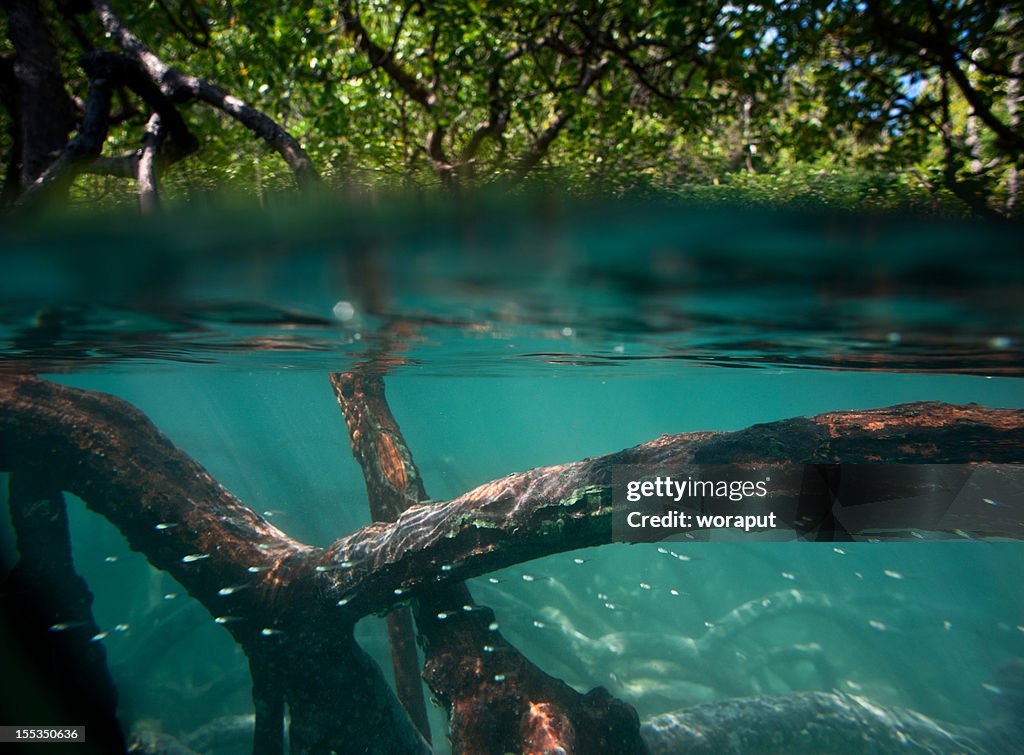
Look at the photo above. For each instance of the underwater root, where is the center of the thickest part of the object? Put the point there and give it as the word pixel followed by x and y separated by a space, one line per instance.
pixel 295 617
pixel 496 699
pixel 803 723
pixel 811 723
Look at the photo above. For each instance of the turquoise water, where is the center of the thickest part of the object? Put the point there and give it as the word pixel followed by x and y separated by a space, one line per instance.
pixel 564 340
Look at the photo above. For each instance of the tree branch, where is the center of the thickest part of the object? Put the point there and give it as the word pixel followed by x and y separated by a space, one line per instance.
pixel 384 59
pixel 84 147
pixel 497 701
pixel 109 454
pixel 539 148
pixel 141 480
pixel 106 72
pixel 292 607
pixel 149 195
pixel 946 56
pixel 392 484
pixel 497 121
pixel 180 87
pixel 248 574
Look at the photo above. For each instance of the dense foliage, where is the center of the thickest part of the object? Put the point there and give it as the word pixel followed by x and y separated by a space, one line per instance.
pixel 844 103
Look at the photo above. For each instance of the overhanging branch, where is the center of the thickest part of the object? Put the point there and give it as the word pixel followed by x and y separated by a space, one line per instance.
pixel 108 71
pixel 384 59
pixel 180 87
pixel 589 75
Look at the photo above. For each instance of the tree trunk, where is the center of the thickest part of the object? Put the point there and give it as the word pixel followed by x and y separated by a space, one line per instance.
pixel 43 117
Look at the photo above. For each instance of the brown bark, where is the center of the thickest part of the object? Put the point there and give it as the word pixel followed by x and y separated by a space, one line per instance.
pixel 393 482
pixel 108 453
pixel 496 699
pixel 555 509
pixel 294 616
pixel 392 485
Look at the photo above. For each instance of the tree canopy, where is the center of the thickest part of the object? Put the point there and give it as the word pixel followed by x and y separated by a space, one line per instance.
pixel 848 103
